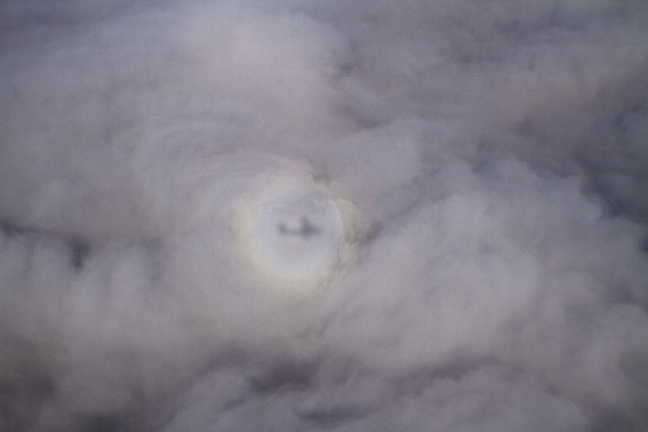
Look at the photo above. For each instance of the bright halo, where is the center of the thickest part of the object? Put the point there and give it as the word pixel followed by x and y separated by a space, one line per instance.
pixel 293 232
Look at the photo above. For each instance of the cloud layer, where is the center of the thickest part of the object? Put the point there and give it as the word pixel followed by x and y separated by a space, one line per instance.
pixel 304 216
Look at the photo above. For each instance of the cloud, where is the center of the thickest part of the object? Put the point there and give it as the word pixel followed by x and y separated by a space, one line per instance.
pixel 296 215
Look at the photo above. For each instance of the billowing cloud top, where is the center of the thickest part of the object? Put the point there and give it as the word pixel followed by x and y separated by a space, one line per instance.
pixel 293 215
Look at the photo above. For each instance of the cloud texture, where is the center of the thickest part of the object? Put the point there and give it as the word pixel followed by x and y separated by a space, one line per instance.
pixel 293 215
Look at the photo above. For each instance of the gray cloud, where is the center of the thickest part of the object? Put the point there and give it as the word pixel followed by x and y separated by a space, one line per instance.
pixel 344 216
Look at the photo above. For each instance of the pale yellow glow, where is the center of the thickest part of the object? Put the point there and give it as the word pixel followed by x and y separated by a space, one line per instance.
pixel 293 232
